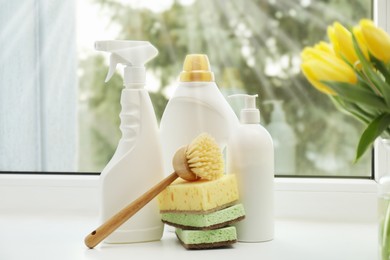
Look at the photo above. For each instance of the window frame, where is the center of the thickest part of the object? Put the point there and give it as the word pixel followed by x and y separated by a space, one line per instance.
pixel 381 15
pixel 338 199
pixel 379 9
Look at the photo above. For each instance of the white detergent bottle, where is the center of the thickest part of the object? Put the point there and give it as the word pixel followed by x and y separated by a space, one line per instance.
pixel 137 162
pixel 284 139
pixel 196 106
pixel 250 155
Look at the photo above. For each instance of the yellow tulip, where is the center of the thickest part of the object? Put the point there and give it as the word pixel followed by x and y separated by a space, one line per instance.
pixel 324 46
pixel 357 31
pixel 318 65
pixel 341 40
pixel 309 53
pixel 377 40
pixel 319 50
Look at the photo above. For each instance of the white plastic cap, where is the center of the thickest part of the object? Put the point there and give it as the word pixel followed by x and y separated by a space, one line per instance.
pixel 249 114
pixel 133 54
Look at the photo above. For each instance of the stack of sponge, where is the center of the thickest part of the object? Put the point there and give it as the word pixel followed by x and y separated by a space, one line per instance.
pixel 202 211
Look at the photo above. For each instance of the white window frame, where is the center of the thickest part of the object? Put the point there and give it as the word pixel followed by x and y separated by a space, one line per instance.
pixel 325 199
pixel 381 11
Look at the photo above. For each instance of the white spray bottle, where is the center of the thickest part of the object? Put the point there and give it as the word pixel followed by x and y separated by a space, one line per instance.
pixel 137 163
pixel 250 155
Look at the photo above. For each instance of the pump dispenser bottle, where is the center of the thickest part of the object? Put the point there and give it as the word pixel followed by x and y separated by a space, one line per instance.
pixel 284 139
pixel 137 162
pixel 196 106
pixel 250 156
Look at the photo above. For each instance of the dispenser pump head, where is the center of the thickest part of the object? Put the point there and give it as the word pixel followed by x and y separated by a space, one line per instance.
pixel 249 114
pixel 133 54
pixel 196 67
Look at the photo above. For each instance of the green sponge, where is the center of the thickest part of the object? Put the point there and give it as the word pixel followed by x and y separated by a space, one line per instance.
pixel 202 239
pixel 207 221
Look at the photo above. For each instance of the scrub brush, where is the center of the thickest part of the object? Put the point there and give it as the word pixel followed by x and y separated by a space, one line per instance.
pixel 201 159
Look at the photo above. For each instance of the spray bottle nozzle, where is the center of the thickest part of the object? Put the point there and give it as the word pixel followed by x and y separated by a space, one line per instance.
pixel 249 114
pixel 133 54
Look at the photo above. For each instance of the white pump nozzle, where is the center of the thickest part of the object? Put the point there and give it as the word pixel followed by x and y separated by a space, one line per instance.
pixel 133 54
pixel 249 114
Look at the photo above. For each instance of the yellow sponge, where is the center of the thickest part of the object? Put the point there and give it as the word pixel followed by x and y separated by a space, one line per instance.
pixel 199 196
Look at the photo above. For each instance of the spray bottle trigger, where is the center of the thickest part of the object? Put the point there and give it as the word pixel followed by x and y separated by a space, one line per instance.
pixel 114 60
pixel 111 69
pixel 132 54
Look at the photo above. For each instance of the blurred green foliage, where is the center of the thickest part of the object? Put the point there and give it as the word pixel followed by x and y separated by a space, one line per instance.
pixel 253 47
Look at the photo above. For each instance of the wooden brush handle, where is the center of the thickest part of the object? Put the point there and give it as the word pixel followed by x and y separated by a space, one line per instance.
pixel 96 236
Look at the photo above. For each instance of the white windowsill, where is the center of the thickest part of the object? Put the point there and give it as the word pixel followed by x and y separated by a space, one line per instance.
pixel 295 198
pixel 60 237
pixel 49 216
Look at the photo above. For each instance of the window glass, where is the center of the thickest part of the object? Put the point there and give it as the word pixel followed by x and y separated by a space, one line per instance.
pixel 253 47
pixel 38 86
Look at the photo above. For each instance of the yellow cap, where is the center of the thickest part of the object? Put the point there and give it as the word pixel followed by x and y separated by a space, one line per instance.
pixel 196 68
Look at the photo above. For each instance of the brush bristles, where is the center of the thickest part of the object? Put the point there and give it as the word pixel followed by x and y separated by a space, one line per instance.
pixel 204 157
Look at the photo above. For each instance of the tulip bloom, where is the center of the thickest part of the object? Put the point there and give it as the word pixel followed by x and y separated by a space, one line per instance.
pixel 318 65
pixel 357 31
pixel 377 40
pixel 324 46
pixel 341 40
pixel 316 52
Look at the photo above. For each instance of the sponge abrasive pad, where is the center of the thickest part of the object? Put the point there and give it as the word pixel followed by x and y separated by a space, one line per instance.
pixel 201 239
pixel 199 196
pixel 206 221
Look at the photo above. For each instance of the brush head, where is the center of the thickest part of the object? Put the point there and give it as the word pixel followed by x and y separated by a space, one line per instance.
pixel 201 159
pixel 204 157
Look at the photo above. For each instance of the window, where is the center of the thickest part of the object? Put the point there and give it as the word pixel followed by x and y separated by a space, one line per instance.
pixel 38 86
pixel 57 115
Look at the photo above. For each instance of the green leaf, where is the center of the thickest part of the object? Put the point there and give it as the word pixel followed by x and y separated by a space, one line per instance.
pixel 381 67
pixel 373 130
pixel 362 83
pixel 358 95
pixel 351 109
pixel 371 74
